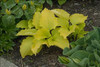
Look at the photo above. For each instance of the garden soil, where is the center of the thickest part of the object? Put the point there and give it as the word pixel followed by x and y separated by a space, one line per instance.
pixel 48 57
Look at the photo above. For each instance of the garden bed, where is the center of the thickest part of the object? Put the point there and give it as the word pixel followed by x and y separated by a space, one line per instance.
pixel 48 57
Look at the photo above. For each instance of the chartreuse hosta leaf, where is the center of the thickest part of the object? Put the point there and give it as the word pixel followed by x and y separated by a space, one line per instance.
pixel 79 31
pixel 61 13
pixel 63 22
pixel 26 45
pixel 42 34
pixel 36 20
pixel 30 25
pixel 65 31
pixel 58 40
pixel 49 27
pixel 37 45
pixel 27 32
pixel 22 24
pixel 48 19
pixel 77 18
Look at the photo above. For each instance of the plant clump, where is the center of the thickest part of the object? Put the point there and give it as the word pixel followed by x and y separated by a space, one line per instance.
pixel 51 28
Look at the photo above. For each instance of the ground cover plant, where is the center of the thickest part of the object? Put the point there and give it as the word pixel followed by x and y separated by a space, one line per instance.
pixel 51 28
pixel 7 32
pixel 20 8
pixel 11 12
pixel 85 52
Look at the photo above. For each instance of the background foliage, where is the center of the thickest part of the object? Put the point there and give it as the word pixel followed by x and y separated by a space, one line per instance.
pixel 11 12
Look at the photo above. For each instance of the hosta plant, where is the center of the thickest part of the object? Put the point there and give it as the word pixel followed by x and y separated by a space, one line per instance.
pixel 51 28
pixel 85 52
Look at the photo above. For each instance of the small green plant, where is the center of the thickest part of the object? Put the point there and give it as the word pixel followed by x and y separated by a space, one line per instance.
pixel 7 32
pixel 11 12
pixel 47 29
pixel 85 52
pixel 20 8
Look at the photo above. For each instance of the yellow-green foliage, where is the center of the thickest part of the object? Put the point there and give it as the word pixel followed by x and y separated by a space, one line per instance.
pixel 49 27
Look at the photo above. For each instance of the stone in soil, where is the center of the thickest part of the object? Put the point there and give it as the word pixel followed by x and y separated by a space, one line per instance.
pixel 5 63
